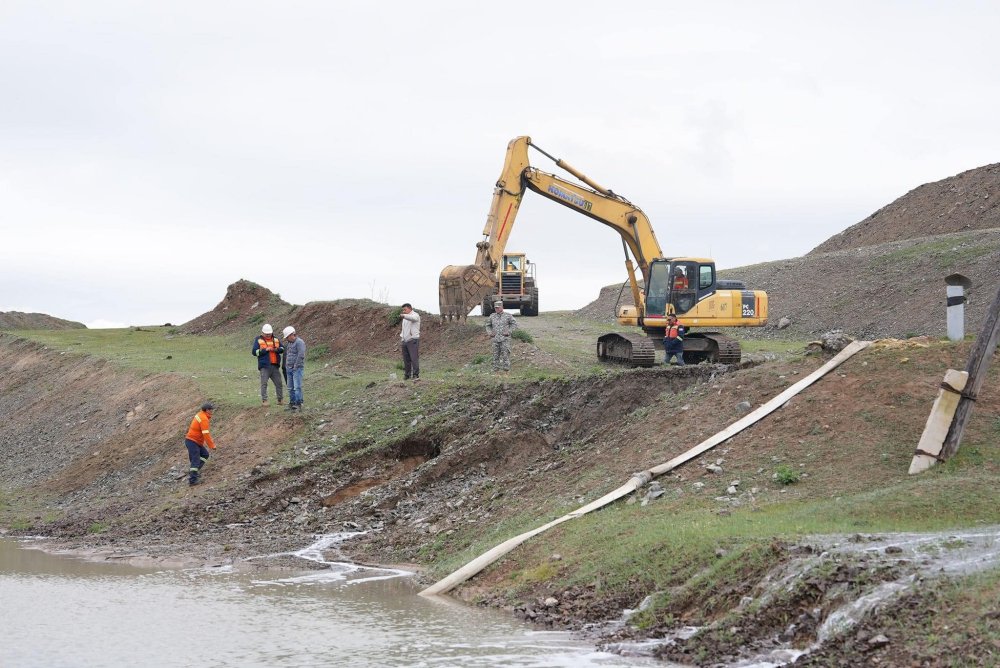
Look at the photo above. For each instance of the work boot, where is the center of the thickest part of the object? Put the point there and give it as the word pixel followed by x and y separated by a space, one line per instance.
pixel 291 407
pixel 194 480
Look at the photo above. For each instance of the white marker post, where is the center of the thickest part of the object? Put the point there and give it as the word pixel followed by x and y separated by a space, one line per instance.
pixel 957 284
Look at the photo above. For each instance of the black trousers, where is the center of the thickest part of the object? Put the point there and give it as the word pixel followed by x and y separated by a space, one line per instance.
pixel 411 358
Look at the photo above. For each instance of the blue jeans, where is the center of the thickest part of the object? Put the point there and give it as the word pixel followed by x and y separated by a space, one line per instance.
pixel 294 381
pixel 673 348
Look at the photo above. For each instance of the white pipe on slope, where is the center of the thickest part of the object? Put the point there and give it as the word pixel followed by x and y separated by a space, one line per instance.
pixel 637 480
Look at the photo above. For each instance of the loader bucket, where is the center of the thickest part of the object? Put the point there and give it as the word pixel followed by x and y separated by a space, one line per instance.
pixel 461 288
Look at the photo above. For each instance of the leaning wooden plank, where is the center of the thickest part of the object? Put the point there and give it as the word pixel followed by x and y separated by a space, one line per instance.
pixel 939 421
pixel 637 480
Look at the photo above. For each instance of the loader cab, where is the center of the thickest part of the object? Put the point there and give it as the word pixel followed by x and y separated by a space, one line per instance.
pixel 515 285
pixel 512 262
pixel 678 283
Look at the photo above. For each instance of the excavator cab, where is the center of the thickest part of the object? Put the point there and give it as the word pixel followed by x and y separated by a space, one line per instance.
pixel 676 285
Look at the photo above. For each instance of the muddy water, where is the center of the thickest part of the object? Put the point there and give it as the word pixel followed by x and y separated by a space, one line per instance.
pixel 59 611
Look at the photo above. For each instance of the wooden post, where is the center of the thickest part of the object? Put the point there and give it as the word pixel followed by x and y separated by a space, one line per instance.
pixel 979 364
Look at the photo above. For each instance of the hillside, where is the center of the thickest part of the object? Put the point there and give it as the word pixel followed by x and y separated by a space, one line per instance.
pixel 965 202
pixel 18 320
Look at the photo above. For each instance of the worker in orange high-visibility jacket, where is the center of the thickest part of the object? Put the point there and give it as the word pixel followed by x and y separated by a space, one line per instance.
pixel 673 340
pixel 198 442
pixel 268 350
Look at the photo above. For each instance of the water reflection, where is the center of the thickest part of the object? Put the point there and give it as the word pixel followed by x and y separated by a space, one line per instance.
pixel 57 612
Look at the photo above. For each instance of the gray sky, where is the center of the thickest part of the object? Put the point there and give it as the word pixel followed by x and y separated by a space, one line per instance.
pixel 153 153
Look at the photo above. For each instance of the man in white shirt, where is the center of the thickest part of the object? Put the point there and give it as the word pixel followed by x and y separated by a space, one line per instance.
pixel 410 344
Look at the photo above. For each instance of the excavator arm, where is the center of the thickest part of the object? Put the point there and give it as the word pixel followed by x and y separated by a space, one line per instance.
pixel 462 287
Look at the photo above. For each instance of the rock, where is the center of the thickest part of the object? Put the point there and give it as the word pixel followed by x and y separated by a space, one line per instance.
pixel 894 549
pixel 732 490
pixel 556 557
pixel 698 485
pixel 714 468
pixel 735 483
pixel 743 407
pixel 551 602
pixel 835 340
pixel 784 322
pixel 878 641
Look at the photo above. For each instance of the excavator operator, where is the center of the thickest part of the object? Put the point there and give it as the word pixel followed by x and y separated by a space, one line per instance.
pixel 680 280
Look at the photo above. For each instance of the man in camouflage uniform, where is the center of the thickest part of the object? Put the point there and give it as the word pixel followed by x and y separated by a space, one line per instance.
pixel 500 326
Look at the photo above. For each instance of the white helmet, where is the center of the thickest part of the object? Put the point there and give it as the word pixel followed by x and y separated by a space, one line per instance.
pixel 266 329
pixel 288 330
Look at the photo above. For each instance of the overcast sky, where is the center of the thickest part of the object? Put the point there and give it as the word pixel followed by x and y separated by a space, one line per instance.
pixel 153 153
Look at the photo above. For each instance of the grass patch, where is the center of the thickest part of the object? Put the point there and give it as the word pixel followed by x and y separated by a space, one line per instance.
pixel 317 352
pixel 786 475
pixel 522 335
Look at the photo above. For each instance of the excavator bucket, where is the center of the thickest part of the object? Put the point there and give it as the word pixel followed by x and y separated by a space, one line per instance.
pixel 461 288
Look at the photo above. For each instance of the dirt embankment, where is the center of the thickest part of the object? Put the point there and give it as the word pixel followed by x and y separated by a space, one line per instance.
pixel 18 320
pixel 351 330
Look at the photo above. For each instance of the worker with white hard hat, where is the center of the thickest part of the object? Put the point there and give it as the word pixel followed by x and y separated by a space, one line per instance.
pixel 267 349
pixel 294 366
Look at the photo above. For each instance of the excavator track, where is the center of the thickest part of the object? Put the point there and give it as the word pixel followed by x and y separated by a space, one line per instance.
pixel 630 349
pixel 725 350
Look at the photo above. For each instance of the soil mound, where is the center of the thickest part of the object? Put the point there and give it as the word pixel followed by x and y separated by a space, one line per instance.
pixel 245 303
pixel 966 201
pixel 364 328
pixel 18 320
pixel 345 328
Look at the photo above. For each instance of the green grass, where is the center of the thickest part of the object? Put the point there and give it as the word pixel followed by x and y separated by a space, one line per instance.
pixel 221 366
pixel 947 252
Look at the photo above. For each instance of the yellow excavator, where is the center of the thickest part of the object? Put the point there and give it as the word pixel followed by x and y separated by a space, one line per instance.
pixel 685 286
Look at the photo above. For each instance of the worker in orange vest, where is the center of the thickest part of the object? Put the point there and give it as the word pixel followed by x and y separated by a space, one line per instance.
pixel 673 340
pixel 267 349
pixel 198 442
